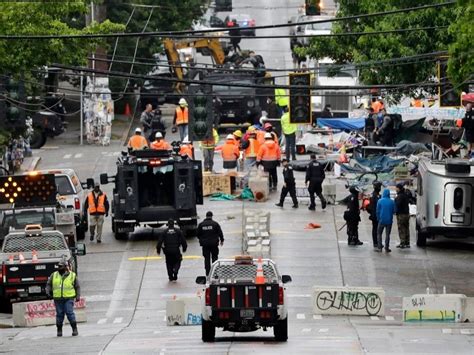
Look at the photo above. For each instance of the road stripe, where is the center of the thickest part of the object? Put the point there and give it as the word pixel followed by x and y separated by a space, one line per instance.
pixel 323 330
pixel 389 318
pixel 143 258
pixel 374 318
pixel 102 321
pixel 298 296
pixel 300 316
pixel 306 330
pixel 447 331
pixel 118 320
pixel 67 156
pixel 466 331
pixel 78 155
pixel 317 316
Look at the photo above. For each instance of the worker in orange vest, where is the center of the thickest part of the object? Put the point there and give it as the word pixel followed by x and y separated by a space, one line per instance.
pixel 207 147
pixel 186 148
pixel 251 146
pixel 377 105
pixel 417 103
pixel 237 137
pixel 269 129
pixel 230 153
pixel 269 156
pixel 97 205
pixel 181 119
pixel 137 141
pixel 159 143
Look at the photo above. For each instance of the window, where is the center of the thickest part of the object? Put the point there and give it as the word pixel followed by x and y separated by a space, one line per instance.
pixel 458 198
pixel 64 185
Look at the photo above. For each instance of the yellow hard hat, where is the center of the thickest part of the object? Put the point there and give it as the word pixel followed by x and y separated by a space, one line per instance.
pixel 251 129
pixel 238 133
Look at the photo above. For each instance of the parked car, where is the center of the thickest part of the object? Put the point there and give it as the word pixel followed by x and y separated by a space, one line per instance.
pixel 245 22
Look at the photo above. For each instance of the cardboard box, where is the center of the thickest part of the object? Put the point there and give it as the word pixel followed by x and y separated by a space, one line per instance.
pixel 214 183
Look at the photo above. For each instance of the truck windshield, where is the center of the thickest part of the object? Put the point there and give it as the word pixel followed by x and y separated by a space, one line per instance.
pixel 21 219
pixel 233 90
pixel 45 242
pixel 63 185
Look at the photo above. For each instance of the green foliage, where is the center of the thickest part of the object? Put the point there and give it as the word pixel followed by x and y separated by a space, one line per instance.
pixel 358 49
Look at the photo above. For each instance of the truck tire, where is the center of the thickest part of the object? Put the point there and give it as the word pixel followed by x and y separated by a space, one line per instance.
pixel 208 331
pixel 118 235
pixel 420 237
pixel 37 139
pixel 281 330
pixel 80 233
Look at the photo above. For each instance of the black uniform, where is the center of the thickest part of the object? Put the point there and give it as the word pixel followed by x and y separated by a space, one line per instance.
pixel 172 239
pixel 352 217
pixel 289 187
pixel 209 233
pixel 373 215
pixel 315 176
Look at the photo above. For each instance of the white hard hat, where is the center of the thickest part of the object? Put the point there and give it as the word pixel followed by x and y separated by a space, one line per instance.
pixel 182 102
pixel 230 136
pixel 268 136
pixel 158 135
pixel 138 130
pixel 186 140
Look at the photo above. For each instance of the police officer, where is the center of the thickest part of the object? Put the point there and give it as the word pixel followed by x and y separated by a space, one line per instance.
pixel 289 185
pixel 373 210
pixel 172 239
pixel 314 180
pixel 209 233
pixel 63 286
pixel 352 217
pixel 97 205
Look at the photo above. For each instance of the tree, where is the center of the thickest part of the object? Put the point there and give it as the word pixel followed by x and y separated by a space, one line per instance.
pixel 367 48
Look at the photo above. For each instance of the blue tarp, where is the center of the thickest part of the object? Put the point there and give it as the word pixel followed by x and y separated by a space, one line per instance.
pixel 342 123
pixel 380 164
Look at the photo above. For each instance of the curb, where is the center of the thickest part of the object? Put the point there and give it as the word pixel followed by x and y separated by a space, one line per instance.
pixel 6 320
pixel 33 164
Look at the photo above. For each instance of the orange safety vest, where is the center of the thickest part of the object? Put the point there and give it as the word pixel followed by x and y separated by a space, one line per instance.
pixel 230 152
pixel 100 207
pixel 377 106
pixel 182 116
pixel 269 151
pixel 160 145
pixel 137 142
pixel 186 149
pixel 417 103
pixel 252 150
pixel 261 137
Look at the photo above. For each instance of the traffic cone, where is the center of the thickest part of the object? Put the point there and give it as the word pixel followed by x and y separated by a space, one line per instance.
pixel 21 258
pixel 10 259
pixel 259 278
pixel 128 111
pixel 34 256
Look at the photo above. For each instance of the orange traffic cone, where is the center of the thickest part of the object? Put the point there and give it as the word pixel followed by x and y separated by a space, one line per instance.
pixel 128 111
pixel 10 259
pixel 259 278
pixel 34 256
pixel 21 257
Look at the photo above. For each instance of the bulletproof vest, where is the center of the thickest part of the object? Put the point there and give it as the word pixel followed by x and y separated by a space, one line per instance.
pixel 316 170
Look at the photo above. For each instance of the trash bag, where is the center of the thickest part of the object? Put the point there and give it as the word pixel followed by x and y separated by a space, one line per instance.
pixel 246 194
pixel 220 196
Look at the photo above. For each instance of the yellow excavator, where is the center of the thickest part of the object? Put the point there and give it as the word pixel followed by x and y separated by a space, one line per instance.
pixel 211 45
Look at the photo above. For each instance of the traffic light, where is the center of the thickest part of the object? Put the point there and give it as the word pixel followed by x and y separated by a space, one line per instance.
pixel 201 116
pixel 300 98
pixel 448 96
pixel 33 189
pixel 313 7
pixel 12 95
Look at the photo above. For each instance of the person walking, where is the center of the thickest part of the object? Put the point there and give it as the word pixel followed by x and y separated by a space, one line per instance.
pixel 374 199
pixel 137 141
pixel 402 210
pixel 97 205
pixel 269 156
pixel 289 131
pixel 352 218
pixel 63 287
pixel 146 118
pixel 468 125
pixel 236 36
pixel 181 118
pixel 289 185
pixel 385 211
pixel 250 146
pixel 171 240
pixel 315 176
pixel 208 147
pixel 209 234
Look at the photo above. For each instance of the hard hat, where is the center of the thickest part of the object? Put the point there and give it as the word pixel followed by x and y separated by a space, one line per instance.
pixel 251 129
pixel 96 184
pixel 138 130
pixel 230 136
pixel 238 133
pixel 182 102
pixel 186 140
pixel 268 136
pixel 158 135
pixel 267 125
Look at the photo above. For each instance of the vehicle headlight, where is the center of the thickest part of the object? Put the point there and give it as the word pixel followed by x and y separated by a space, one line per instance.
pixel 250 103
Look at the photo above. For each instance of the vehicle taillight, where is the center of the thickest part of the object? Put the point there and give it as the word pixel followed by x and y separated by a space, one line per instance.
pixel 252 23
pixel 3 274
pixel 436 209
pixel 77 204
pixel 208 296
pixel 281 297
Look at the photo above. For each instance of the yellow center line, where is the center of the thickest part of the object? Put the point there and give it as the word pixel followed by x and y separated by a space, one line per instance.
pixel 143 258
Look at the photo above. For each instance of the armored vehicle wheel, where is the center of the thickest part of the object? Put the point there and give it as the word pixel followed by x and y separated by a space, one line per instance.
pixel 420 237
pixel 208 331
pixel 281 330
pixel 118 235
pixel 80 233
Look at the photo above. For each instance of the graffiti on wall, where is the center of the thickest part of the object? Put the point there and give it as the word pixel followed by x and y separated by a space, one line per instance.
pixel 429 315
pixel 356 302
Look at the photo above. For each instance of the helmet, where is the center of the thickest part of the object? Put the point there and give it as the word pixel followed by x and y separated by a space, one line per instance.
pixel 138 130
pixel 158 135
pixel 251 129
pixel 267 126
pixel 238 133
pixel 230 136
pixel 182 102
pixel 268 136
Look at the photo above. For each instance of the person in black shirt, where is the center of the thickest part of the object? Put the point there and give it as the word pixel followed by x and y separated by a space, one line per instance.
pixel 352 217
pixel 209 233
pixel 236 35
pixel 468 124
pixel 373 210
pixel 402 210
pixel 315 176
pixel 171 240
pixel 289 185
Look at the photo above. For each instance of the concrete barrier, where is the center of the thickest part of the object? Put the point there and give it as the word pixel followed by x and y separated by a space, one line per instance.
pixel 37 313
pixel 434 308
pixel 354 301
pixel 469 309
pixel 184 311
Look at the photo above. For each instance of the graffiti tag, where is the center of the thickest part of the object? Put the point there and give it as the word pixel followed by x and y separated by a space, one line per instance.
pixel 349 301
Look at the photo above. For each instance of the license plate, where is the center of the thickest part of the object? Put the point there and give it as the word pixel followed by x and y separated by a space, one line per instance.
pixel 34 289
pixel 247 313
pixel 457 218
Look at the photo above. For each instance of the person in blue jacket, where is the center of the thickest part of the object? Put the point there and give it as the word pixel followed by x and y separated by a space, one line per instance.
pixel 385 211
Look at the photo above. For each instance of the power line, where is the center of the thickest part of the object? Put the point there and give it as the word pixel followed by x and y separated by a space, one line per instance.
pixel 193 32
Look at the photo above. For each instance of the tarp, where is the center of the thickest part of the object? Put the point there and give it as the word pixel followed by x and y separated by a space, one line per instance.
pixel 350 124
pixel 382 164
pixel 407 148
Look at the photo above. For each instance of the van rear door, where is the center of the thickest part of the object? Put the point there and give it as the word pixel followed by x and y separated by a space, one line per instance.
pixel 457 204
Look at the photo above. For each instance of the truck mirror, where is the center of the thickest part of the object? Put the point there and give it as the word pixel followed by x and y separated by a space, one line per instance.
pixel 80 249
pixel 104 179
pixel 90 183
pixel 285 279
pixel 201 280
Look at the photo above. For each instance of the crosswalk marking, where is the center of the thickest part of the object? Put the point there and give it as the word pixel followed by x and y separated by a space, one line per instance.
pixel 118 320
pixel 374 318
pixel 317 316
pixel 78 155
pixel 306 330
pixel 323 330
pixel 466 331
pixel 300 316
pixel 102 321
pixel 447 331
pixel 389 318
pixel 67 156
